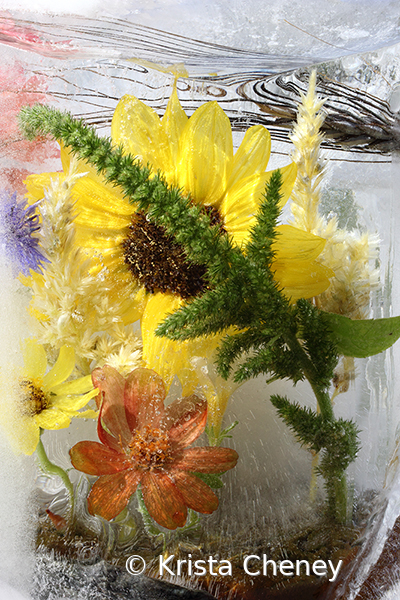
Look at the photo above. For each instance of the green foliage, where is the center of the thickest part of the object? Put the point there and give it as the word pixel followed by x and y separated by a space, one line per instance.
pixel 215 438
pixel 316 341
pixel 335 440
pixel 274 359
pixel 338 438
pixel 213 480
pixel 364 337
pixel 304 422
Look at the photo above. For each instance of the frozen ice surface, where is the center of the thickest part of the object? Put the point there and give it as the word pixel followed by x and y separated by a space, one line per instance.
pixel 319 27
pixel 56 579
pixel 9 593
pixel 331 27
pixel 16 472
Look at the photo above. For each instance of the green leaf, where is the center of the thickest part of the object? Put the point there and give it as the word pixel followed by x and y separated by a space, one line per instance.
pixel 213 480
pixel 364 337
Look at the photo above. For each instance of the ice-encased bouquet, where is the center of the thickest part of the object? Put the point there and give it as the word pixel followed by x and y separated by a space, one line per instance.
pixel 161 278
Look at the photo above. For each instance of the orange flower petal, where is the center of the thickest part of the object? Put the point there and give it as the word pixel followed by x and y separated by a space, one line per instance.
pixel 196 494
pixel 163 500
pixel 189 418
pixel 112 412
pixel 111 493
pixel 94 458
pixel 144 397
pixel 206 460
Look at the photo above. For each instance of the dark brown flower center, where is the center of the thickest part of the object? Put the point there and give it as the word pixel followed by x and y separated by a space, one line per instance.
pixel 34 400
pixel 161 264
pixel 150 448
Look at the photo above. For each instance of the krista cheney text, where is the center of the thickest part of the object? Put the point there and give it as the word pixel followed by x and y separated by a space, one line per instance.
pixel 253 565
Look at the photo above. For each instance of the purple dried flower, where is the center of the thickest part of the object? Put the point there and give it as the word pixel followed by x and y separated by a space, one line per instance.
pixel 18 224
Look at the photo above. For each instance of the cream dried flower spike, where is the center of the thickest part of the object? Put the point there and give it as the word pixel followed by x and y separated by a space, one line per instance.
pixel 347 253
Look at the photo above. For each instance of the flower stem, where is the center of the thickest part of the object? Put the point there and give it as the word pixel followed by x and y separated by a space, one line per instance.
pixel 322 396
pixel 51 469
pixel 336 485
pixel 341 495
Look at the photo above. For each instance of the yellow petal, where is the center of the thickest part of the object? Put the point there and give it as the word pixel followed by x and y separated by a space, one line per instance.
pixel 205 154
pixel 216 390
pixel 35 359
pixel 167 357
pixel 173 123
pixel 88 414
pixel 77 386
pixel 301 279
pixel 35 184
pixel 61 370
pixel 81 166
pixel 252 155
pixel 134 305
pixel 240 204
pixel 24 436
pixel 138 128
pixel 98 240
pixel 53 419
pixel 293 243
pixel 70 404
pixel 92 199
pixel 34 277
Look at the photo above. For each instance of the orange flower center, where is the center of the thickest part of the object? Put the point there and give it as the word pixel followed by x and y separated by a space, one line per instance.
pixel 150 448
pixel 35 400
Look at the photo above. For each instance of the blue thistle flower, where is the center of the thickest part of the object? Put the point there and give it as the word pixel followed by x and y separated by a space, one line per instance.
pixel 18 225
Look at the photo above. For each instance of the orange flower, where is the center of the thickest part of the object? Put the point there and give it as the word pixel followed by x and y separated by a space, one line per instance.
pixel 142 441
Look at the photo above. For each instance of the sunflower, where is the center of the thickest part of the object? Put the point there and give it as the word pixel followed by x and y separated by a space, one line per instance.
pixel 45 399
pixel 196 154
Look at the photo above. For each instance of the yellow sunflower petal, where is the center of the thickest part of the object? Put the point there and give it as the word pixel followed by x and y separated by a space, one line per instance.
pixel 34 277
pixel 293 243
pixel 98 205
pixel 139 129
pixel 35 359
pixel 205 154
pixel 62 368
pixel 167 357
pixel 252 155
pixel 81 166
pixel 216 390
pixel 240 204
pixel 301 279
pixel 35 185
pixel 173 123
pixel 53 419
